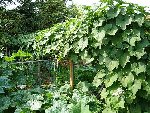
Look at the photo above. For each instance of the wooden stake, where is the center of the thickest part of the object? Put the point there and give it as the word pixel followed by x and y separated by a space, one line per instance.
pixel 71 74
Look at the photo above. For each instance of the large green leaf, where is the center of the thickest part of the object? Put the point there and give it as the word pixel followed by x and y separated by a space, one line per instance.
pixel 143 43
pixel 113 12
pixel 127 80
pixel 111 29
pixel 83 43
pixel 124 59
pixel 111 64
pixel 108 110
pixel 104 93
pixel 80 107
pixel 77 108
pixel 101 74
pixel 99 22
pixel 98 78
pixel 123 20
pixel 139 53
pixel 131 36
pixel 99 34
pixel 86 57
pixel 138 68
pixel 110 79
pixel 139 18
pixel 136 86
pixel 85 109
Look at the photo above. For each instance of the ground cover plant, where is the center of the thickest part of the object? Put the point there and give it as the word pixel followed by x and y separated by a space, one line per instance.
pixel 109 45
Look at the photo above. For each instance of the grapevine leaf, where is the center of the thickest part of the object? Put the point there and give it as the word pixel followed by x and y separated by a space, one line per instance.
pixel 108 110
pixel 100 74
pixel 99 22
pixel 136 86
pixel 111 64
pixel 121 103
pixel 111 29
pixel 132 36
pixel 127 80
pixel 85 108
pixel 124 59
pixel 123 20
pixel 123 10
pixel 138 68
pixel 86 57
pixel 83 42
pixel 139 53
pixel 84 86
pixel 132 40
pixel 143 43
pixel 110 79
pixel 104 93
pixel 98 78
pixel 81 107
pixel 139 18
pixel 97 82
pixel 113 12
pixel 99 35
pixel 146 86
pixel 77 108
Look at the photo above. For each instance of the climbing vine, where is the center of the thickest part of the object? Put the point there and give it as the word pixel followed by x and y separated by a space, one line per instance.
pixel 115 38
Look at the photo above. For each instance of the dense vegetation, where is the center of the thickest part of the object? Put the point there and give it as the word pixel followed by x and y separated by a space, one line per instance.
pixel 17 25
pixel 110 47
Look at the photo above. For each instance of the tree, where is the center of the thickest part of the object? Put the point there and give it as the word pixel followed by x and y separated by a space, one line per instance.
pixel 30 17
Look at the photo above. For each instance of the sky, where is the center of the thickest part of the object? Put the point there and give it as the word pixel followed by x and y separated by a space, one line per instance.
pixel 89 2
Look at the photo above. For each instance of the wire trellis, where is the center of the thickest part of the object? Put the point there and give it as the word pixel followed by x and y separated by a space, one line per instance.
pixel 37 72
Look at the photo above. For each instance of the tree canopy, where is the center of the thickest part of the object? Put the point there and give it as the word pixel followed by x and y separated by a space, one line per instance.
pixel 29 17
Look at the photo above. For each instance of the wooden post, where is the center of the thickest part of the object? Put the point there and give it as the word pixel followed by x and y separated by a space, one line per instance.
pixel 71 74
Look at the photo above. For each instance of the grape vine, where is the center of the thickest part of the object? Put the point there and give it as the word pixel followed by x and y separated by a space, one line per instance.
pixel 115 37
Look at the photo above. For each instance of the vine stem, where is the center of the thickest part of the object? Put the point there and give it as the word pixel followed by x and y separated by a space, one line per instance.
pixel 71 73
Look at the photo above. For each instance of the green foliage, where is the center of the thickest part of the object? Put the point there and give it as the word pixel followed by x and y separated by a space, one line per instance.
pixel 113 38
pixel 18 26
pixel 112 41
pixel 51 100
pixel 21 54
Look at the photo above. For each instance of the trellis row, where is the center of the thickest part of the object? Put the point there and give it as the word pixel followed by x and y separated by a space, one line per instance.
pixel 71 78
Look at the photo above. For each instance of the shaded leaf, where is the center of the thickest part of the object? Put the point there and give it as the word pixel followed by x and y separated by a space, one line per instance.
pixel 113 12
pixel 124 59
pixel 123 20
pixel 139 18
pixel 110 79
pixel 111 29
